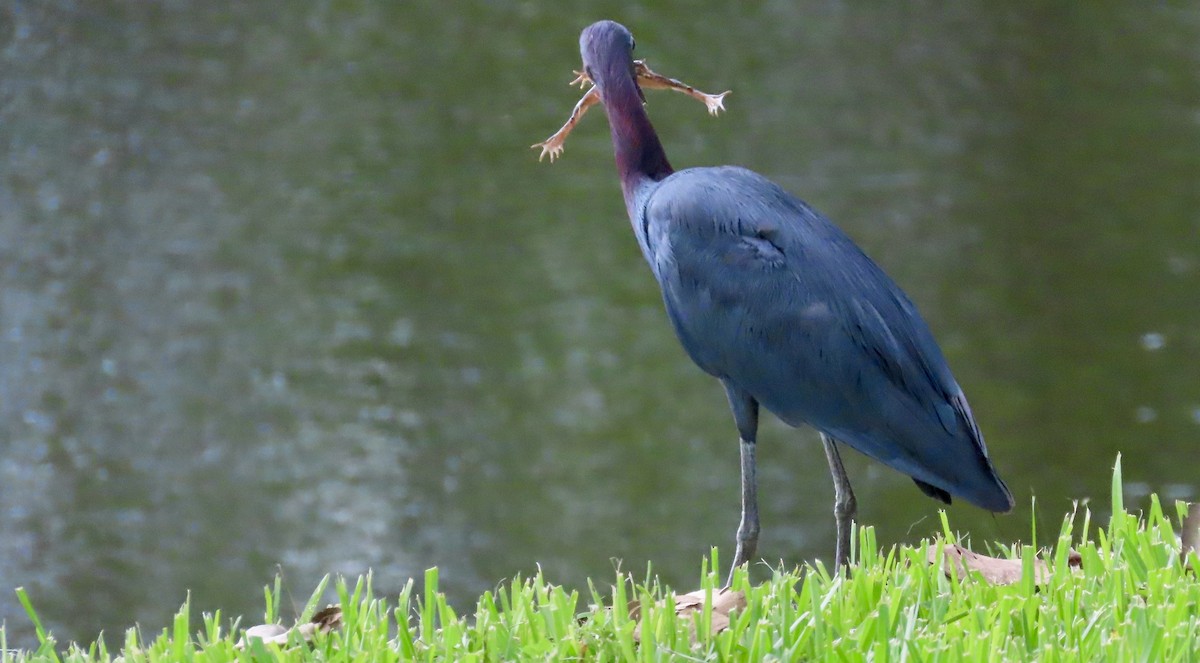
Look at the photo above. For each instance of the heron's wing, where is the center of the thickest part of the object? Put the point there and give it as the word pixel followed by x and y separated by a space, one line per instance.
pixel 745 265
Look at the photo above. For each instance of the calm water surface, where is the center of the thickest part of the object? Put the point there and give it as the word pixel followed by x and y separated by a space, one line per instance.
pixel 287 290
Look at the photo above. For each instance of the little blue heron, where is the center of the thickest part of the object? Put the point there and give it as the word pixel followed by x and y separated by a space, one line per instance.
pixel 773 300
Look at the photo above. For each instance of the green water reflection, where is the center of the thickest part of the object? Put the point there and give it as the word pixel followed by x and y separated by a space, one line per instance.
pixel 289 290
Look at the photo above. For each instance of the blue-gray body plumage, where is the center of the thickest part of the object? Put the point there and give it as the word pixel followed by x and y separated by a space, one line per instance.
pixel 769 296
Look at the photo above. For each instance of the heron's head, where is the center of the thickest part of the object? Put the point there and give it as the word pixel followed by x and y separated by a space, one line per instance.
pixel 607 51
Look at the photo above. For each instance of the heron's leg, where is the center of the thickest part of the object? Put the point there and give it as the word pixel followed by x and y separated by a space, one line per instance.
pixel 844 504
pixel 745 415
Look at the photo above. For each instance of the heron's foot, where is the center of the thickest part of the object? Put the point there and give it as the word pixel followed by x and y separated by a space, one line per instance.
pixel 841 559
pixel 741 558
pixel 732 571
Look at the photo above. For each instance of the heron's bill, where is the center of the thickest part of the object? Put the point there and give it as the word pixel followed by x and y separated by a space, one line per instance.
pixel 647 79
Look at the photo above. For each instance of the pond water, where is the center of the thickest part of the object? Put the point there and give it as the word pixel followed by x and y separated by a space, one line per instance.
pixel 287 291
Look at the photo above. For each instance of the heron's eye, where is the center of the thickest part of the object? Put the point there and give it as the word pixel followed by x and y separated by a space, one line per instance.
pixel 588 70
pixel 632 44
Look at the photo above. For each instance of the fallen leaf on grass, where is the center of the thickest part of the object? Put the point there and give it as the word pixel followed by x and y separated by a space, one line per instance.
pixel 324 621
pixel 724 601
pixel 268 633
pixel 997 571
pixel 1190 537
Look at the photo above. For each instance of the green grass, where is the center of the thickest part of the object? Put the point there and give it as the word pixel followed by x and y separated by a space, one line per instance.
pixel 1130 598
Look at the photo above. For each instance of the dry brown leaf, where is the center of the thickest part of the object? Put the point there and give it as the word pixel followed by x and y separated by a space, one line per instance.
pixel 1190 537
pixel 268 633
pixel 724 601
pixel 325 620
pixel 328 618
pixel 997 571
pixel 634 610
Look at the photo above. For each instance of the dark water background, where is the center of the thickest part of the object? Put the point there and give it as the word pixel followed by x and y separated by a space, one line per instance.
pixel 283 287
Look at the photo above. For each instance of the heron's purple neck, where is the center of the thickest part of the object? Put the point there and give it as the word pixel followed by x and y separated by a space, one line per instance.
pixel 641 160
